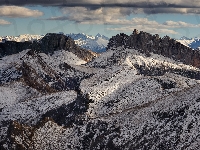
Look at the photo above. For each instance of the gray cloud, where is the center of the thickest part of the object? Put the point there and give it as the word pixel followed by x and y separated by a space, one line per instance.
pixel 180 24
pixel 150 29
pixel 16 11
pixel 137 6
pixel 96 16
pixel 153 26
pixel 113 16
pixel 171 10
pixel 108 3
pixel 4 22
pixel 117 16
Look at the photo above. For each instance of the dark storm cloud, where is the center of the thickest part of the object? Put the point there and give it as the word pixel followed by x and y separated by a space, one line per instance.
pixel 94 4
pixel 171 10
pixel 140 6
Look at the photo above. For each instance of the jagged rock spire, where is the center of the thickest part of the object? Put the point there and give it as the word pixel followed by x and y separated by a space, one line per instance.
pixel 153 43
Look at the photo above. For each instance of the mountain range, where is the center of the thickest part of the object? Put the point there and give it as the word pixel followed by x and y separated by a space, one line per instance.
pixel 193 43
pixel 96 43
pixel 21 38
pixel 141 93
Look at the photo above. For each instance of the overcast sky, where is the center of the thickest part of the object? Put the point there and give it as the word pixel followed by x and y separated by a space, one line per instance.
pixel 107 17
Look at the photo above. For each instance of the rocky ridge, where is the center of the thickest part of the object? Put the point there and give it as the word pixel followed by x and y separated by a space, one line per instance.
pixel 165 46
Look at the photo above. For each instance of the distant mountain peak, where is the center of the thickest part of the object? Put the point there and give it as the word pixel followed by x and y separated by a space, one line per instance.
pixel 185 38
pixel 193 43
pixel 96 43
pixel 22 37
pixel 98 35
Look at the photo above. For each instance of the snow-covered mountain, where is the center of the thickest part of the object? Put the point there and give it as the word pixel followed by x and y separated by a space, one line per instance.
pixel 96 43
pixel 193 43
pixel 22 38
pixel 126 98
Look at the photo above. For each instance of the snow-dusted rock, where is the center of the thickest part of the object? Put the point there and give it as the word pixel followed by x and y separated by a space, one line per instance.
pixel 123 99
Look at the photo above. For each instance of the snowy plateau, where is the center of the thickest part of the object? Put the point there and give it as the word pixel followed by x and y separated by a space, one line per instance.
pixel 124 98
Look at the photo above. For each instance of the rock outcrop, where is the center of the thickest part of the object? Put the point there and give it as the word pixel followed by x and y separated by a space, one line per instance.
pixel 165 46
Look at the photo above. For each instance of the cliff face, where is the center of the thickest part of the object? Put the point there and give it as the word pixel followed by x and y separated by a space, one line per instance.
pixel 48 44
pixel 12 47
pixel 165 46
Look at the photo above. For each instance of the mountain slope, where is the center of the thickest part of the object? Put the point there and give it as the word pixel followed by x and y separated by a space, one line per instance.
pixel 33 84
pixel 126 98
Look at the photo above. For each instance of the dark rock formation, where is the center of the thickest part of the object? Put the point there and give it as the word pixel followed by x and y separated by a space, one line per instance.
pixel 156 71
pixel 165 46
pixel 12 47
pixel 48 44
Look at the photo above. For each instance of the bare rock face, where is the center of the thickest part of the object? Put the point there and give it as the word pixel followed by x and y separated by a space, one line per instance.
pixel 12 47
pixel 52 42
pixel 48 44
pixel 153 43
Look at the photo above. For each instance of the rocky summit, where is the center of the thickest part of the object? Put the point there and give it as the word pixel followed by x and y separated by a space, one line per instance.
pixel 142 93
pixel 165 46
